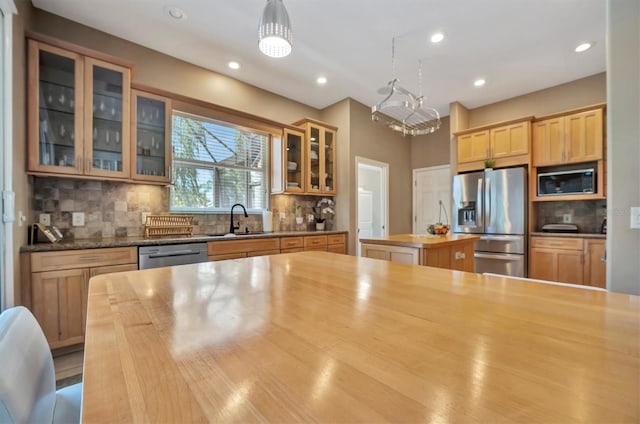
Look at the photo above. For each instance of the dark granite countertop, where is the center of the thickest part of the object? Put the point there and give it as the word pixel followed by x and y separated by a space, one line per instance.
pixel 141 241
pixel 570 235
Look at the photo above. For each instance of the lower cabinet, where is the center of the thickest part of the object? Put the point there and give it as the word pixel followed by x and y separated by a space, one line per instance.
pixel 568 260
pixel 59 285
pixel 234 249
pixel 401 254
pixel 457 256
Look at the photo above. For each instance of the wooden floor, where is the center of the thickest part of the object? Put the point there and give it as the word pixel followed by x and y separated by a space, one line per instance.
pixel 68 363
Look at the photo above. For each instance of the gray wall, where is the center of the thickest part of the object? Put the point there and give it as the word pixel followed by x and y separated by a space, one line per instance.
pixel 432 149
pixel 623 149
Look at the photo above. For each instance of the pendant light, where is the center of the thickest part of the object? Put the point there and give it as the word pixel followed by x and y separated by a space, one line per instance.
pixel 274 33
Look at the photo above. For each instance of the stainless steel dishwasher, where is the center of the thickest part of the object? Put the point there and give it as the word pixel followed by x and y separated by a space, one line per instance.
pixel 171 254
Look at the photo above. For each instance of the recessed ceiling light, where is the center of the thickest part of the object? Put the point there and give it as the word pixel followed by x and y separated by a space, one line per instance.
pixel 479 82
pixel 437 37
pixel 321 80
pixel 176 13
pixel 583 47
pixel 234 65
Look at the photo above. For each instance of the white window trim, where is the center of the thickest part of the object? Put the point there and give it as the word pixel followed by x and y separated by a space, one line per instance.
pixel 8 8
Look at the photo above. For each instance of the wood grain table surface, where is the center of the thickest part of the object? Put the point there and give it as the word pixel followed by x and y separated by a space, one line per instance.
pixel 322 337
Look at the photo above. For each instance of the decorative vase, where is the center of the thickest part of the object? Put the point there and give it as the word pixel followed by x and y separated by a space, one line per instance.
pixel 299 220
pixel 319 225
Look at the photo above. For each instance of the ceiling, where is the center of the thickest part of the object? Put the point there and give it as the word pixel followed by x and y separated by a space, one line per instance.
pixel 518 46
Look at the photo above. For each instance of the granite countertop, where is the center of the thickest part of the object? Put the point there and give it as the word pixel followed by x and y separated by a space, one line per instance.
pixel 141 241
pixel 569 235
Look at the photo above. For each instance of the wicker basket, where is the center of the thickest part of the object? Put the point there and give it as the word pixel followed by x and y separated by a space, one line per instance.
pixel 168 225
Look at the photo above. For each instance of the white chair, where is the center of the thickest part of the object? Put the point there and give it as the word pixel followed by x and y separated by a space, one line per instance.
pixel 555 283
pixel 27 377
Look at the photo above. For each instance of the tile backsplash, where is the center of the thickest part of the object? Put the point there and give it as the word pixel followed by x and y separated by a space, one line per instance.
pixel 586 214
pixel 114 209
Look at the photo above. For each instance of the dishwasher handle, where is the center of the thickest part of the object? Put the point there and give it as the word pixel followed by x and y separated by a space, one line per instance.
pixel 176 253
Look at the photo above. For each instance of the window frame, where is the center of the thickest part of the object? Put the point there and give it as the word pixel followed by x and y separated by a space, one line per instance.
pixel 239 123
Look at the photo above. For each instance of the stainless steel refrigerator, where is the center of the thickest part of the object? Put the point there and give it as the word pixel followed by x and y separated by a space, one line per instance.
pixel 493 204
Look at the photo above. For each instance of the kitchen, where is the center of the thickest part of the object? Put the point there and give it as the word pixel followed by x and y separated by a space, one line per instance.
pixel 398 151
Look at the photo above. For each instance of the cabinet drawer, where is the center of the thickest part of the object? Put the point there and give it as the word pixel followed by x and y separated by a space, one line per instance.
pixel 292 250
pixel 112 268
pixel 336 239
pixel 315 241
pixel 557 243
pixel 227 256
pixel 291 242
pixel 240 246
pixel 89 258
pixel 336 248
pixel 264 253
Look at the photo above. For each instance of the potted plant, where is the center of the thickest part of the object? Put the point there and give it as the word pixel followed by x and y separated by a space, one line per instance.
pixel 488 164
pixel 323 206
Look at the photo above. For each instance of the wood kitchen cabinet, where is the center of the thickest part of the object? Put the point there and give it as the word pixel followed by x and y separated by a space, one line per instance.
pixel 59 285
pixel 78 114
pixel 288 163
pixel 573 138
pixel 151 137
pixel 506 144
pixel 320 157
pixel 595 264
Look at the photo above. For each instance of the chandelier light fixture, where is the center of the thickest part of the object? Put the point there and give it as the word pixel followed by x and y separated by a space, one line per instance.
pixel 274 32
pixel 403 111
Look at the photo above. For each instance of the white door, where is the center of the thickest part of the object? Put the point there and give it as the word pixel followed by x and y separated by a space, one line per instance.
pixel 365 213
pixel 373 199
pixel 430 187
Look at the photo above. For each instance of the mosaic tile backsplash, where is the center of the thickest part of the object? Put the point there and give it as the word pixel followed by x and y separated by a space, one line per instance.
pixel 114 209
pixel 586 214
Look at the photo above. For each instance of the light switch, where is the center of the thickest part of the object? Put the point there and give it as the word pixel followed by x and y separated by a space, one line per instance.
pixel 77 219
pixel 635 217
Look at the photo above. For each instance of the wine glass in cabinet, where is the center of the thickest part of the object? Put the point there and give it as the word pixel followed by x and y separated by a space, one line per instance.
pixel 151 137
pixel 107 128
pixel 55 104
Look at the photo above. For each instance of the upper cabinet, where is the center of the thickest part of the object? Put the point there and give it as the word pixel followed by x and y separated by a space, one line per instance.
pixel 507 144
pixel 78 114
pixel 320 157
pixel 574 138
pixel 151 137
pixel 303 161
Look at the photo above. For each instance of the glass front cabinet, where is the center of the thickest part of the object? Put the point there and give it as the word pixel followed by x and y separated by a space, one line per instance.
pixel 151 137
pixel 320 157
pixel 294 161
pixel 78 120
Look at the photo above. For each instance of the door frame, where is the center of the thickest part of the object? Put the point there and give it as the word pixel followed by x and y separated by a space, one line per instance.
pixel 414 193
pixel 7 202
pixel 384 168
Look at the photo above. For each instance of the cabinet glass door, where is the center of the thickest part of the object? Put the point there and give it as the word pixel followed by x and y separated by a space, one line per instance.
pixel 294 161
pixel 329 162
pixel 151 137
pixel 57 133
pixel 107 126
pixel 314 160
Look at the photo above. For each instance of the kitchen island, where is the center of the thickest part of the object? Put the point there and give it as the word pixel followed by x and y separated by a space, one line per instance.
pixel 452 251
pixel 323 337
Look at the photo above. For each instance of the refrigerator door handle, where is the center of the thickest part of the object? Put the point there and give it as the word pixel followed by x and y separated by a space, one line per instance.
pixel 479 205
pixel 487 199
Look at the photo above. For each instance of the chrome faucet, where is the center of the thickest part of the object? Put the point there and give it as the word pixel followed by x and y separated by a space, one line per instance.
pixel 233 228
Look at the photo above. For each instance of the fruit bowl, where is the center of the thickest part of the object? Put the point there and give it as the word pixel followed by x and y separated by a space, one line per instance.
pixel 438 229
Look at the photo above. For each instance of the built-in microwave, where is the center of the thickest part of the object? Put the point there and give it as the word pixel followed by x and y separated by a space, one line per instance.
pixel 578 181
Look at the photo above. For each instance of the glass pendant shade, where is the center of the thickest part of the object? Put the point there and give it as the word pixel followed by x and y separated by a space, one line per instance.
pixel 274 33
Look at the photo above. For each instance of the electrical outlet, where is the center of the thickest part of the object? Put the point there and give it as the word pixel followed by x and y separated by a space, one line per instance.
pixel 282 216
pixel 635 217
pixel 310 218
pixel 143 217
pixel 45 219
pixel 566 218
pixel 77 219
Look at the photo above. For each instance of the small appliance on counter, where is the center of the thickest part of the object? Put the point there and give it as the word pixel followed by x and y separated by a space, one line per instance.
pixel 559 228
pixel 51 233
